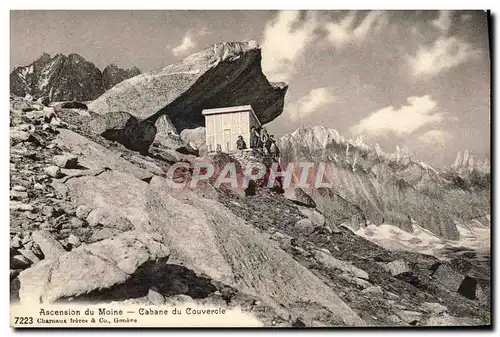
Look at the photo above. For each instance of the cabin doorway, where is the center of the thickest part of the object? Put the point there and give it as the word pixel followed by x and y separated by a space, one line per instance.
pixel 226 140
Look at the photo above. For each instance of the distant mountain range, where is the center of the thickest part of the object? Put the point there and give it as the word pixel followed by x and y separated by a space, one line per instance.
pixel 63 78
pixel 392 188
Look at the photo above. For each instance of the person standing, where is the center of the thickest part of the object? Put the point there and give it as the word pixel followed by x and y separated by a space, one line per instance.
pixel 266 143
pixel 240 143
pixel 254 138
pixel 275 152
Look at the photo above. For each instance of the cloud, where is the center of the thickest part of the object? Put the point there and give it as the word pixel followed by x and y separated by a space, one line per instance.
pixel 204 31
pixel 443 22
pixel 435 137
pixel 445 53
pixel 419 112
pixel 285 39
pixel 186 45
pixel 307 104
pixel 188 42
pixel 340 32
pixel 288 35
pixel 344 31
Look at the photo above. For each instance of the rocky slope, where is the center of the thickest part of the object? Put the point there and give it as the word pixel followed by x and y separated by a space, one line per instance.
pixel 81 198
pixel 64 78
pixel 370 186
pixel 225 74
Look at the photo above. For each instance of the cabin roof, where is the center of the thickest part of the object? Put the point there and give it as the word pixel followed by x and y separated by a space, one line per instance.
pixel 231 109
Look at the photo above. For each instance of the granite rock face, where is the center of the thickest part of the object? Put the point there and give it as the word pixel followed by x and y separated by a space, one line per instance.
pixel 225 74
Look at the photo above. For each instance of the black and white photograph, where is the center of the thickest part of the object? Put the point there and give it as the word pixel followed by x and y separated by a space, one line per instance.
pixel 250 168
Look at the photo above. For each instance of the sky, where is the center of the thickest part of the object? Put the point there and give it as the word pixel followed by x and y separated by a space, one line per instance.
pixel 416 79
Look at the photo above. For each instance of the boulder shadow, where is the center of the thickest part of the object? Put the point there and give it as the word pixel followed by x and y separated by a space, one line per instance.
pixel 167 279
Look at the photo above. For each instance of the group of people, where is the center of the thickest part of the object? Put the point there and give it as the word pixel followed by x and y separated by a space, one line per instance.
pixel 260 141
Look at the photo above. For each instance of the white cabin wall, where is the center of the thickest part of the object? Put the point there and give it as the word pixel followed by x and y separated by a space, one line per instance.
pixel 219 131
pixel 245 126
pixel 253 121
pixel 209 132
pixel 223 128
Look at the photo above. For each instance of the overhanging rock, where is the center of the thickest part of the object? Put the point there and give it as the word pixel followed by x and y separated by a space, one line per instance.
pixel 225 74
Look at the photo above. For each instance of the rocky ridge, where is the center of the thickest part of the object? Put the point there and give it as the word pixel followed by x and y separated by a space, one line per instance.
pixel 65 78
pixel 112 75
pixel 370 186
pixel 466 162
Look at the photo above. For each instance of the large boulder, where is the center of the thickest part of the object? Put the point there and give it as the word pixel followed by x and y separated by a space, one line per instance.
pixel 114 197
pixel 447 276
pixel 165 126
pixel 225 74
pixel 49 246
pixel 397 267
pixel 433 308
pixel 194 137
pixel 166 134
pixel 95 156
pixel 315 216
pixel 331 262
pixel 122 127
pixel 206 237
pixel 91 267
pixel 468 287
pixel 142 137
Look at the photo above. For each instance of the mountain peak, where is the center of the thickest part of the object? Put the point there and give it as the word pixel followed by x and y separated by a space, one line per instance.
pixel 76 56
pixel 63 78
pixel 111 66
pixel 45 57
pixel 320 140
pixel 466 162
pixel 112 75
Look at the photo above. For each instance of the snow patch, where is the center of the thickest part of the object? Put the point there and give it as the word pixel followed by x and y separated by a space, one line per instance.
pixel 45 75
pixel 196 71
pixel 474 236
pixel 44 81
